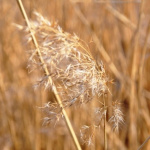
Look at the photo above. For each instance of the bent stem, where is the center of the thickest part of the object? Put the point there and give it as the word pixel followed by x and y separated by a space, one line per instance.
pixel 38 52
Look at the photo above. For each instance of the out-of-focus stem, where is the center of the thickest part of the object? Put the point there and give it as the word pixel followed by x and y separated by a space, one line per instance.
pixel 133 96
pixel 105 136
pixel 142 61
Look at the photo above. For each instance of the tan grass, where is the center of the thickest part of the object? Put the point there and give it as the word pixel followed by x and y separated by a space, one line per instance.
pixel 114 27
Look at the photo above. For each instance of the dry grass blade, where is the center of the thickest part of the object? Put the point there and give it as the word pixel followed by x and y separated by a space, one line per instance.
pixel 121 17
pixel 144 143
pixel 133 95
pixel 142 60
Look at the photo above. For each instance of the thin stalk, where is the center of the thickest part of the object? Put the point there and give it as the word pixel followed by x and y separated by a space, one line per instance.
pixel 142 61
pixel 105 136
pixel 133 96
pixel 38 52
pixel 121 17
pixel 144 143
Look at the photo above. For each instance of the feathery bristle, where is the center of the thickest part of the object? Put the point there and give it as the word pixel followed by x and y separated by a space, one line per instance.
pixel 117 119
pixel 69 63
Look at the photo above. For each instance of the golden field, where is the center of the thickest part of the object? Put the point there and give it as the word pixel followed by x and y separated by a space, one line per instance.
pixel 117 32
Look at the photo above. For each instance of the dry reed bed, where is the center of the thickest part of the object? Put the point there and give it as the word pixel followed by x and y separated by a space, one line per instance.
pixel 20 120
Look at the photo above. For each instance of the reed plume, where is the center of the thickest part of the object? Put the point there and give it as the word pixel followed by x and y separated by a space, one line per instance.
pixel 71 66
pixel 117 119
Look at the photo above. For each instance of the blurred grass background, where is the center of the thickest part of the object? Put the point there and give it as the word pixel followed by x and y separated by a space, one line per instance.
pixel 117 33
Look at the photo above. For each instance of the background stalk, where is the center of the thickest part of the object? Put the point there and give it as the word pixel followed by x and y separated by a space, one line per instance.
pixel 105 135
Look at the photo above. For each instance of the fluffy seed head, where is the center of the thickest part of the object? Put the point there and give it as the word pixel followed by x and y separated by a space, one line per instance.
pixel 117 119
pixel 69 62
